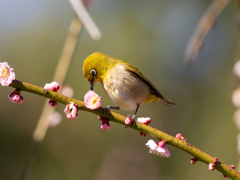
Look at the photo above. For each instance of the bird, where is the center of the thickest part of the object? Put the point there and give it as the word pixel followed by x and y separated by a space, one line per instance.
pixel 124 84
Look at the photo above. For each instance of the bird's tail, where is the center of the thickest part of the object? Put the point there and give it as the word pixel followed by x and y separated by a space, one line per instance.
pixel 167 102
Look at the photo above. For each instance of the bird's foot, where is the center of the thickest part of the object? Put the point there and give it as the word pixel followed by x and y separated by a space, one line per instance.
pixel 107 109
pixel 133 116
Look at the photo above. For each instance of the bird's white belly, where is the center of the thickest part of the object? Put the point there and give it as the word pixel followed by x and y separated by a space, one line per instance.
pixel 124 89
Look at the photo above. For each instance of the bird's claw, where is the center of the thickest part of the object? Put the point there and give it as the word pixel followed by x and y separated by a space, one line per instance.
pixel 132 118
pixel 106 109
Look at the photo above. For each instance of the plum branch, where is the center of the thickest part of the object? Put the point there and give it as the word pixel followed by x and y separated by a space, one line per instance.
pixel 182 144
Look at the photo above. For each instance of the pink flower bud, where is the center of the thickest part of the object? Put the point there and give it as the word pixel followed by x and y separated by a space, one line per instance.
pixel 20 101
pixel 15 97
pixel 6 74
pixel 163 150
pixel 128 121
pixel 105 123
pixel 142 134
pixel 53 86
pixel 92 100
pixel 52 103
pixel 211 166
pixel 103 119
pixel 146 120
pixel 193 160
pixel 161 143
pixel 179 136
pixel 105 126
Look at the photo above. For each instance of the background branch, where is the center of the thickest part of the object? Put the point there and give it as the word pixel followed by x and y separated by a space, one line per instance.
pixel 205 24
pixel 59 76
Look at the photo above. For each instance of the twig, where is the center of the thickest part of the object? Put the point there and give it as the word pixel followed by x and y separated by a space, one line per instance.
pixel 31 157
pixel 205 24
pixel 183 145
pixel 59 76
pixel 86 19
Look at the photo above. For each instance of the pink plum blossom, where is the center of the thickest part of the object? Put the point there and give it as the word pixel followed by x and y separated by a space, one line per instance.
pixel 15 97
pixel 144 120
pixel 159 149
pixel 92 100
pixel 53 86
pixel 152 145
pixel 71 110
pixel 6 74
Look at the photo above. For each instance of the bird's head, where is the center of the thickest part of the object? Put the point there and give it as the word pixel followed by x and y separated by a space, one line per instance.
pixel 96 66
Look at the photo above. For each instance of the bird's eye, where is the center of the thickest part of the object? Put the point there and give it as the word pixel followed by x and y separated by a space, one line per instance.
pixel 93 72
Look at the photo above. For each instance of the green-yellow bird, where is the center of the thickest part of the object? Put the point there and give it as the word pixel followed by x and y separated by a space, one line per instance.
pixel 124 83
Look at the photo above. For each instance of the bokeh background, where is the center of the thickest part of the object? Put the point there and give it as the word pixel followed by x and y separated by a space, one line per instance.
pixel 153 36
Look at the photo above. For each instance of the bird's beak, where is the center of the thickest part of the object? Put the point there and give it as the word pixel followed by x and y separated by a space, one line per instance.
pixel 91 84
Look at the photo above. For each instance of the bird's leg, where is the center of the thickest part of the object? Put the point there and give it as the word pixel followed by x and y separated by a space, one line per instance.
pixel 135 112
pixel 107 109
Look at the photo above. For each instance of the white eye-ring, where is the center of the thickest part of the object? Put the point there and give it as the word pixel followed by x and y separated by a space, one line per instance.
pixel 93 72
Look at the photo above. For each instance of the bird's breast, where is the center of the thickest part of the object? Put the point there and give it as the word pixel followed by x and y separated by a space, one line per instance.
pixel 124 89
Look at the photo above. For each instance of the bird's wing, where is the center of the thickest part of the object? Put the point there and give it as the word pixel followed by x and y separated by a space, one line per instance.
pixel 135 72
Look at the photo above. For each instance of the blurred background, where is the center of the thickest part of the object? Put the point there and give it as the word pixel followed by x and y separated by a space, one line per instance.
pixel 152 35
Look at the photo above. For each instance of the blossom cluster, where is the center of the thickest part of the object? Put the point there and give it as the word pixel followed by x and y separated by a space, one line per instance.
pixel 7 75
